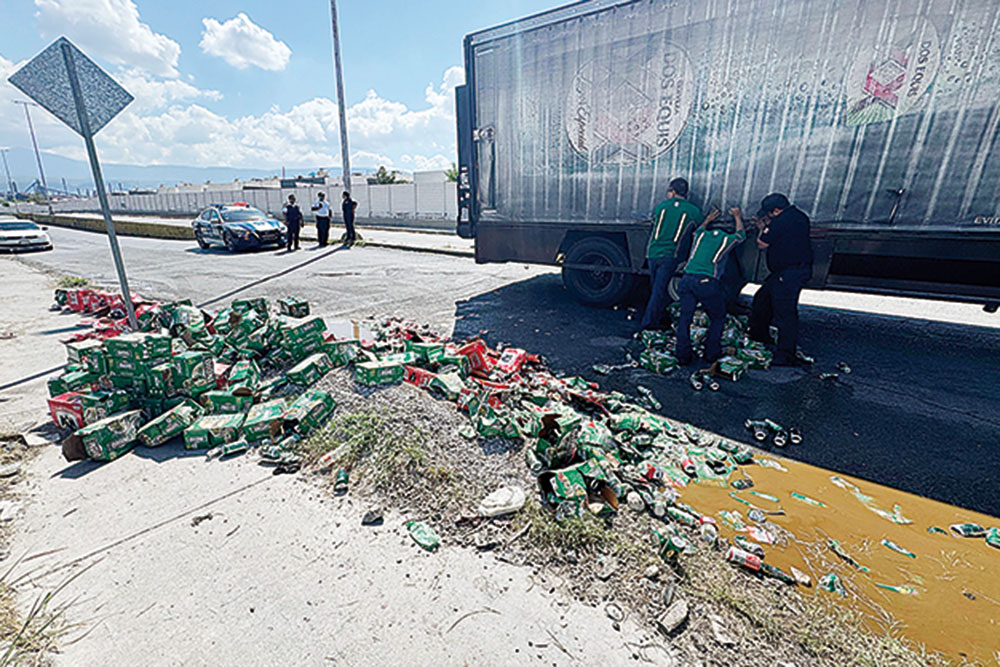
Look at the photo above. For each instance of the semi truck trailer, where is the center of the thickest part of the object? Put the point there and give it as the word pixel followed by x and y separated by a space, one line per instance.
pixel 878 119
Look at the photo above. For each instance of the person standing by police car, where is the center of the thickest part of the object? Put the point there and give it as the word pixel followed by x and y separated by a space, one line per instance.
pixel 322 208
pixel 785 236
pixel 293 221
pixel 347 207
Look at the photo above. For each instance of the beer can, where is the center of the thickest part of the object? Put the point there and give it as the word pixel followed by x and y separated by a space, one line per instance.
pixel 741 557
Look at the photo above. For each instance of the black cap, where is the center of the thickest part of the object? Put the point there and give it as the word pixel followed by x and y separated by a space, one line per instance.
pixel 771 202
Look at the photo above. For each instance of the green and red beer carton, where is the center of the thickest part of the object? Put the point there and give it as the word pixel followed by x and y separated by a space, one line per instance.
pixel 212 430
pixel 310 369
pixel 264 421
pixel 104 440
pixel 374 373
pixel 292 306
pixel 309 411
pixel 170 424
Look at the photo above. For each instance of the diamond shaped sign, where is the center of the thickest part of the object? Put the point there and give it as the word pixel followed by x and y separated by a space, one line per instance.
pixel 45 79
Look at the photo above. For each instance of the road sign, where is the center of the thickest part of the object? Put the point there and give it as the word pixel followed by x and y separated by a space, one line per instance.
pixel 46 80
pixel 79 93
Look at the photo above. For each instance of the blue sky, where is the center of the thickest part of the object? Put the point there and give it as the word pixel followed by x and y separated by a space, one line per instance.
pixel 250 84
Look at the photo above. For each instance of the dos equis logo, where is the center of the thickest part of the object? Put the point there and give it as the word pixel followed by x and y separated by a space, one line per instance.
pixel 632 109
pixel 891 73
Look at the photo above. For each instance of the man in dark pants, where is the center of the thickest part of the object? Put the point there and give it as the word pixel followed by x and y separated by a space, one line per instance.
pixel 293 221
pixel 322 209
pixel 785 236
pixel 700 284
pixel 674 220
pixel 348 206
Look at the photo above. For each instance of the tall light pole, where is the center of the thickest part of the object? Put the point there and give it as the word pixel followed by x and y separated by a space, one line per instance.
pixel 345 154
pixel 34 142
pixel 10 181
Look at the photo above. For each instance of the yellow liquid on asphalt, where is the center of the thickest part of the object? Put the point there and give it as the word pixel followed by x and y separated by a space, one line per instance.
pixel 938 615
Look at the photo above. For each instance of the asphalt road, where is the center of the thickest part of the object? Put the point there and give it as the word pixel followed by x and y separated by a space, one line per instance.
pixel 919 412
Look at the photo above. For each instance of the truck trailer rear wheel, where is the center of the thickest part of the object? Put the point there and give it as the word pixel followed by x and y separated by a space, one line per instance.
pixel 594 287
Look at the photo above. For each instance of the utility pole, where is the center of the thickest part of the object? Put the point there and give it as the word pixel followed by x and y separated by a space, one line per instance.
pixel 345 155
pixel 10 182
pixel 34 142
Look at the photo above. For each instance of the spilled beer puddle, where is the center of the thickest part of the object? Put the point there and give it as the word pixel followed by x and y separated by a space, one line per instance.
pixel 950 588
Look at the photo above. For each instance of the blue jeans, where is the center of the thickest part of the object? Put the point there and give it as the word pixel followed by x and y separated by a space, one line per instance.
pixel 661 270
pixel 707 291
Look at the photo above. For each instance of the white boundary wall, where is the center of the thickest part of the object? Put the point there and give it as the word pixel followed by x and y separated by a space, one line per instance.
pixel 431 201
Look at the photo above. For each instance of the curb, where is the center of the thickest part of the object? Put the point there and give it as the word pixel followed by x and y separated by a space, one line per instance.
pixel 157 230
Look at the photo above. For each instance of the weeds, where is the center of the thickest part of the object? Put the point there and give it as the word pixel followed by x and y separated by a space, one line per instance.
pixel 544 532
pixel 370 440
pixel 27 640
pixel 69 282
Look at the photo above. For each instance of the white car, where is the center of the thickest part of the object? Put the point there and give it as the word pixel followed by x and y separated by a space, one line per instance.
pixel 20 235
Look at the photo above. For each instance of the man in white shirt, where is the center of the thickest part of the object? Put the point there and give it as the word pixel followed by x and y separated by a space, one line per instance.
pixel 322 209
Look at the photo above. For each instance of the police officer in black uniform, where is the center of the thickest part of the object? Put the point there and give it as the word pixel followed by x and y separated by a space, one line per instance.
pixel 785 236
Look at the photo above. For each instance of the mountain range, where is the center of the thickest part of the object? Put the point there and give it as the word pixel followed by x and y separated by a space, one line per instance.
pixel 24 172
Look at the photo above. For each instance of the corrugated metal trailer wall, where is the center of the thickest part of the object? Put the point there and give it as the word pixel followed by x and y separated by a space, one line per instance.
pixel 588 112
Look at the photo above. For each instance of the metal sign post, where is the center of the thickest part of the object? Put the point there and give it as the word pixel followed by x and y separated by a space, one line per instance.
pixel 79 93
pixel 102 194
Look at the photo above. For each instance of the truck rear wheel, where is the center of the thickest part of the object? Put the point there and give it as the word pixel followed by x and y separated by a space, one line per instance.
pixel 594 287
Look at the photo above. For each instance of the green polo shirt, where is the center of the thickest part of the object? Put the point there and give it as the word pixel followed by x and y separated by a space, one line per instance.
pixel 672 219
pixel 709 250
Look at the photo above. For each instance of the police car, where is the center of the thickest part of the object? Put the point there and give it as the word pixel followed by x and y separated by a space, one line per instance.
pixel 237 226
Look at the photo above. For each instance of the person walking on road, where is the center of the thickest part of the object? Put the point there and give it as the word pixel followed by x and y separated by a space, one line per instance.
pixel 293 221
pixel 322 208
pixel 700 284
pixel 674 221
pixel 785 236
pixel 348 206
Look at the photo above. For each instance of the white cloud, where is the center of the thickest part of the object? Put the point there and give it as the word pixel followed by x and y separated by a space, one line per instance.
pixel 427 163
pixel 171 123
pixel 14 128
pixel 153 93
pixel 242 43
pixel 110 29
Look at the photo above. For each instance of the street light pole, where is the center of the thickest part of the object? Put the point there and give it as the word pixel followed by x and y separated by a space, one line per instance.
pixel 34 142
pixel 345 155
pixel 10 181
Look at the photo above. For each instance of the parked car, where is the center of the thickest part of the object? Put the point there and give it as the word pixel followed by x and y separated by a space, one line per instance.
pixel 20 235
pixel 237 226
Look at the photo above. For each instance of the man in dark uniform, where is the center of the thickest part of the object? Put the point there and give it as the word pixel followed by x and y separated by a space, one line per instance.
pixel 700 284
pixel 674 220
pixel 348 206
pixel 785 236
pixel 293 221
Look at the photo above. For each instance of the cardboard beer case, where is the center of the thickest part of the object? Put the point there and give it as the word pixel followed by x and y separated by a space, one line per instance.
pixel 309 411
pixel 310 369
pixel 372 373
pixel 292 306
pixel 170 424
pixel 212 430
pixel 264 421
pixel 104 440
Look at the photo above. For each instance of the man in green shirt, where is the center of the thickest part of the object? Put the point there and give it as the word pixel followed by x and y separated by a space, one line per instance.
pixel 674 221
pixel 700 284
